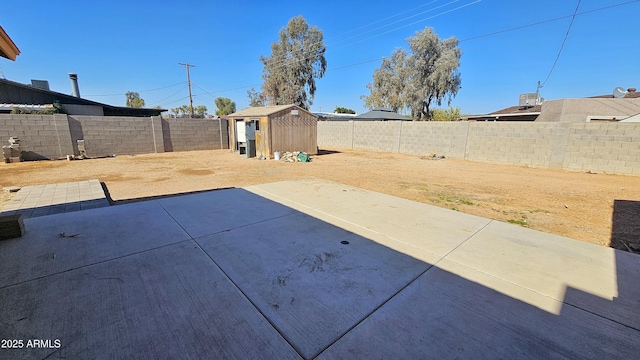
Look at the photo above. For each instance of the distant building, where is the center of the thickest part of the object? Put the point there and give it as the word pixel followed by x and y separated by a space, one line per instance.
pixel 381 114
pixel 620 106
pixel 327 116
pixel 512 113
pixel 37 95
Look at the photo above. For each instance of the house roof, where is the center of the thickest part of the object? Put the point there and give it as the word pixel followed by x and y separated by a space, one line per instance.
pixel 518 110
pixel 631 94
pixel 266 110
pixel 17 93
pixel 511 113
pixel 381 114
pixel 8 48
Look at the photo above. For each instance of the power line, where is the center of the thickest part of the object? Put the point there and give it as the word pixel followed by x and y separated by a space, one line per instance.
pixel 160 88
pixel 563 42
pixel 463 40
pixel 506 30
pixel 282 63
pixel 170 96
pixel 419 21
pixel 547 21
pixel 389 18
pixel 401 20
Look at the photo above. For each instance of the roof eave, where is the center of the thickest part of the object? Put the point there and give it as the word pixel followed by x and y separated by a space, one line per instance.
pixel 8 48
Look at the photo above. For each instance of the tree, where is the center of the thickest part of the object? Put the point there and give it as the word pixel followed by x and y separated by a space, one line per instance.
pixel 428 75
pixel 387 89
pixel 225 106
pixel 134 100
pixel 256 98
pixel 185 110
pixel 296 60
pixel 200 111
pixel 343 110
pixel 450 114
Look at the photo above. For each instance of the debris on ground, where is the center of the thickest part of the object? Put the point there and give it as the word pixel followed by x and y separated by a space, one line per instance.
pixel 431 156
pixel 11 189
pixel 295 156
pixel 591 172
pixel 62 234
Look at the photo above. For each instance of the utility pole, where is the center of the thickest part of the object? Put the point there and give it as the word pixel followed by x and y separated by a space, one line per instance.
pixel 187 66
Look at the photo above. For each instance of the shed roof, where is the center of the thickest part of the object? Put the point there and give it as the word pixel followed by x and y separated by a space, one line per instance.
pixel 381 114
pixel 266 110
pixel 8 48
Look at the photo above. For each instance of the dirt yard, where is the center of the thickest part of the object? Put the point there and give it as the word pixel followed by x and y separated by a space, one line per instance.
pixel 578 205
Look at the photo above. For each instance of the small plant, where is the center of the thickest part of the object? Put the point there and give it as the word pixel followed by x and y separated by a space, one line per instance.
pixel 522 222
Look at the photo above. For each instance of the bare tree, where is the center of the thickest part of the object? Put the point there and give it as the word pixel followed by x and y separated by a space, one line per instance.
pixel 256 98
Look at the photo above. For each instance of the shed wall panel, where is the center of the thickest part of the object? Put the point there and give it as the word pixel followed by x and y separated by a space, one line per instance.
pixel 293 132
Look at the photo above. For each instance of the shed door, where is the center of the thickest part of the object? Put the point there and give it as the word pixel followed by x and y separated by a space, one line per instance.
pixel 241 131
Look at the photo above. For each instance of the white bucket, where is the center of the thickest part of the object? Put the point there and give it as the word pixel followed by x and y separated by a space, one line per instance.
pixel 276 155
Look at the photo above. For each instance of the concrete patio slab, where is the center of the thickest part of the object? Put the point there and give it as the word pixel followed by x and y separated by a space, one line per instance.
pixel 598 279
pixel 309 193
pixel 93 236
pixel 429 228
pixel 310 284
pixel 167 303
pixel 449 313
pixel 262 272
pixel 215 211
pixel 41 200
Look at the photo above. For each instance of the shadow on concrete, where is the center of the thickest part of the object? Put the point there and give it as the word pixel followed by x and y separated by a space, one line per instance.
pixel 625 226
pixel 156 197
pixel 326 291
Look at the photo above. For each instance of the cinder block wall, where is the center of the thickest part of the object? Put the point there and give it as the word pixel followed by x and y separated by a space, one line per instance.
pixel 377 135
pixel 194 134
pixel 511 142
pixel 335 134
pixel 608 146
pixel 420 138
pixel 41 136
pixel 55 136
pixel 109 135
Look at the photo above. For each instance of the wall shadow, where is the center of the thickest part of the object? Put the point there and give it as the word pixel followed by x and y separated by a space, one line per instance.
pixel 322 152
pixel 32 156
pixel 77 133
pixel 166 136
pixel 156 197
pixel 625 226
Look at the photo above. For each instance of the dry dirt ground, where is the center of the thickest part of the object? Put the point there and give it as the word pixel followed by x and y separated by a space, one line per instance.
pixel 578 205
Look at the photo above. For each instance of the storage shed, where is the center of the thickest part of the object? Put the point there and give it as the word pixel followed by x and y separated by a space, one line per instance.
pixel 261 131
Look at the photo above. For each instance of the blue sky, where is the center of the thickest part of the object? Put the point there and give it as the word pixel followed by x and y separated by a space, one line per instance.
pixel 118 46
